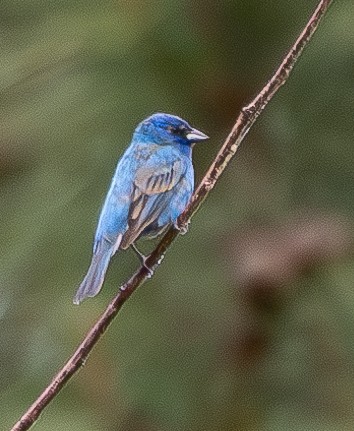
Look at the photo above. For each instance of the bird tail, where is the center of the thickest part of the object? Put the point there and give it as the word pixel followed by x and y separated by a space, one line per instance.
pixel 94 278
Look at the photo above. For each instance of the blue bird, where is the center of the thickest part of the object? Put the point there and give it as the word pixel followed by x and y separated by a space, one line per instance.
pixel 152 185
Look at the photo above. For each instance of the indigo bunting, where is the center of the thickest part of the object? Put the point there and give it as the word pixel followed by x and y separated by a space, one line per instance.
pixel 151 187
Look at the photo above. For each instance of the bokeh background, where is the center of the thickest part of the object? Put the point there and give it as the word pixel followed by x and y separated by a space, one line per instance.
pixel 249 323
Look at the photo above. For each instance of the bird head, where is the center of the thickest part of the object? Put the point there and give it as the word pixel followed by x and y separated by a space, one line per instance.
pixel 166 129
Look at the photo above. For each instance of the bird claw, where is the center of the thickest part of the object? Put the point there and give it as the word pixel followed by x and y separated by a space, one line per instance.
pixel 183 228
pixel 143 260
pixel 148 269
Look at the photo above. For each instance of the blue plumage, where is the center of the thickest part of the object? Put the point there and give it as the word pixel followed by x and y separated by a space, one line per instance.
pixel 151 187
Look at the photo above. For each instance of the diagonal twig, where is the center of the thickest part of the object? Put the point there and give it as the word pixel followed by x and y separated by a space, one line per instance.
pixel 244 122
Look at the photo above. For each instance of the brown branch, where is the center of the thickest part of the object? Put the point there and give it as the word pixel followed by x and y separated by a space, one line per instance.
pixel 243 124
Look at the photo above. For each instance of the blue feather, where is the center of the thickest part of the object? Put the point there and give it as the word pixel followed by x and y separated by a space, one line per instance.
pixel 151 187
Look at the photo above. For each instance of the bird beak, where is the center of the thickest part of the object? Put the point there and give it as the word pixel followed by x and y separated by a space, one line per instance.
pixel 195 135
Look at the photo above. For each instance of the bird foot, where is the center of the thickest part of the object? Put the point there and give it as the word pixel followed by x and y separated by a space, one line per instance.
pixel 182 228
pixel 143 260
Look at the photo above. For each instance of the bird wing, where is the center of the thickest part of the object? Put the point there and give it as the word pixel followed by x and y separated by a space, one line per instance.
pixel 151 180
pixel 152 183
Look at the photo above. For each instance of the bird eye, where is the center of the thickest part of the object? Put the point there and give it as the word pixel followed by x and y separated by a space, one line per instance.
pixel 179 131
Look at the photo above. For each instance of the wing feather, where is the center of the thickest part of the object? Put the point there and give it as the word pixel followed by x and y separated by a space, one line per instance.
pixel 151 180
pixel 150 196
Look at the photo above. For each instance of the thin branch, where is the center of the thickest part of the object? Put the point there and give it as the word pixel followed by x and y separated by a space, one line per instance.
pixel 243 124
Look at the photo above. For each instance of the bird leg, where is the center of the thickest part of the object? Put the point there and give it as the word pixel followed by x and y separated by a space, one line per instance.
pixel 142 258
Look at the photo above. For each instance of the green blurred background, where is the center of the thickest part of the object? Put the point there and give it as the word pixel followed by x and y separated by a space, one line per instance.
pixel 249 323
